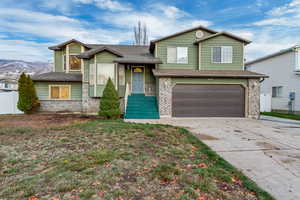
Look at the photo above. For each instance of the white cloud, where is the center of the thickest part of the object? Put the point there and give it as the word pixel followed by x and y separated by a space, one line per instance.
pixel 159 23
pixel 24 50
pixel 292 7
pixel 269 40
pixel 57 28
pixel 286 15
pixel 169 11
pixel 111 5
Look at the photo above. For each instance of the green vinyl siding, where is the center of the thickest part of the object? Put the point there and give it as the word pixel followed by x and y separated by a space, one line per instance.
pixel 183 40
pixel 209 81
pixel 42 89
pixel 237 54
pixel 105 57
pixel 58 61
pixel 74 48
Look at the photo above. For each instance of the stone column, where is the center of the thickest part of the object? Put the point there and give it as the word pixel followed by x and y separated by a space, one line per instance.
pixel 254 98
pixel 165 97
pixel 85 97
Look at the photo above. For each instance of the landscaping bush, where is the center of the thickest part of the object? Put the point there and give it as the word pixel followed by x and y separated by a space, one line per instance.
pixel 109 104
pixel 28 101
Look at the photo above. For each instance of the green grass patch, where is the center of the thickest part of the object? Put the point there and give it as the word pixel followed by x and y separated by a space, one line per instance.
pixel 116 160
pixel 282 115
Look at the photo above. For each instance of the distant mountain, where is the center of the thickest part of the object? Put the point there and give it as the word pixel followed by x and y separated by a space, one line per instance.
pixel 13 68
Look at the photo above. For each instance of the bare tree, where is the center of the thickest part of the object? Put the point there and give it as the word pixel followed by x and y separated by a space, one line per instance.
pixel 140 34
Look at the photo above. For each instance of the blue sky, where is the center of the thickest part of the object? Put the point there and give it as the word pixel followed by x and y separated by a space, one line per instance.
pixel 28 27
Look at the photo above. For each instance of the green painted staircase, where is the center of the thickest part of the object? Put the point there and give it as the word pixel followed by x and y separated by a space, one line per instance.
pixel 140 106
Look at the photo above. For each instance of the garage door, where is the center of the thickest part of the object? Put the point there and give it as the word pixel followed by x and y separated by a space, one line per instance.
pixel 208 101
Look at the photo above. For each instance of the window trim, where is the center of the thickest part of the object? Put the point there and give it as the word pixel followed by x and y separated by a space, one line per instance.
pixel 49 93
pixel 178 63
pixel 76 70
pixel 212 57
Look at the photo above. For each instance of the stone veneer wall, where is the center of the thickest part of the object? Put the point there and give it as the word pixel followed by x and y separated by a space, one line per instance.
pixel 91 104
pixel 165 97
pixel 253 98
pixel 60 106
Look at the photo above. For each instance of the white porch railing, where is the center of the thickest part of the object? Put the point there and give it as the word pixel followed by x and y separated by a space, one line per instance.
pixel 127 93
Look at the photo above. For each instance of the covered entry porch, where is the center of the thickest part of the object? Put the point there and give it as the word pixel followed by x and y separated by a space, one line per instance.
pixel 140 79
pixel 140 92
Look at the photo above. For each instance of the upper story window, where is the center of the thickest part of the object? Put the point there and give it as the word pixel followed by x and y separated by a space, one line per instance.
pixel 6 85
pixel 222 54
pixel 74 63
pixel 277 91
pixel 177 55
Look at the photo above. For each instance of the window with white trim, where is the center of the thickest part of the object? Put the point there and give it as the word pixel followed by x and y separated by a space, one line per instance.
pixel 277 91
pixel 222 54
pixel 104 72
pixel 177 55
pixel 60 92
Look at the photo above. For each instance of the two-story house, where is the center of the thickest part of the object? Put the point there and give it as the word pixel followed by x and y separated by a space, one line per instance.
pixel 283 84
pixel 194 73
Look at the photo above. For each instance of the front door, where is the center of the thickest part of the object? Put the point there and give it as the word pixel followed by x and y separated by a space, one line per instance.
pixel 137 80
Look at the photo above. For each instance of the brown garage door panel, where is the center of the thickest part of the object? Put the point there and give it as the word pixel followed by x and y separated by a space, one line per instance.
pixel 208 101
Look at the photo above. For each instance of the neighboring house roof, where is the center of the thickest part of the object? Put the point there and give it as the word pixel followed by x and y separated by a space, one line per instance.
pixel 206 73
pixel 61 45
pixel 58 76
pixel 293 48
pixel 224 33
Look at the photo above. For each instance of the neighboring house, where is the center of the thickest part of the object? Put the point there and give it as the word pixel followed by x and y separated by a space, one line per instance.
pixel 7 85
pixel 283 84
pixel 194 73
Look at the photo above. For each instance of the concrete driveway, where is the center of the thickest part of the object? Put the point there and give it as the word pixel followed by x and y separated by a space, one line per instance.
pixel 266 150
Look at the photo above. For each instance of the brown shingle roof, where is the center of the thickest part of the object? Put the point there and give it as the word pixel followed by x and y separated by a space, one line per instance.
pixel 58 77
pixel 206 73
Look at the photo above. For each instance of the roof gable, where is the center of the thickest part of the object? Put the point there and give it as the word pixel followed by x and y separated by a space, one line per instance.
pixel 152 43
pixel 88 54
pixel 225 34
pixel 61 45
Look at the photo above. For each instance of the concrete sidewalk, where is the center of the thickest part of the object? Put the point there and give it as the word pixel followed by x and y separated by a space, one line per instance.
pixel 267 150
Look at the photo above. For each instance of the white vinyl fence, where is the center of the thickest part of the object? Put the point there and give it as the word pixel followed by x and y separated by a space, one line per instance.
pixel 8 103
pixel 265 103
